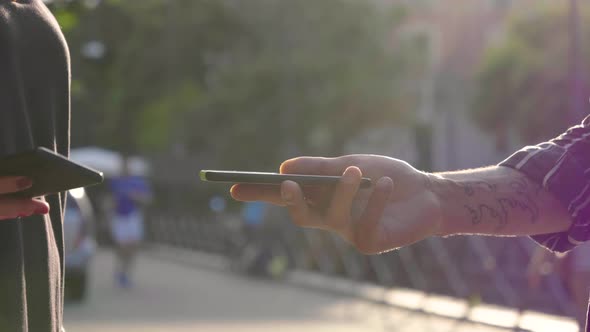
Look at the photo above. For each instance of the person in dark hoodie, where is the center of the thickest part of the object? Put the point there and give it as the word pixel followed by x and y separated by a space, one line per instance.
pixel 34 112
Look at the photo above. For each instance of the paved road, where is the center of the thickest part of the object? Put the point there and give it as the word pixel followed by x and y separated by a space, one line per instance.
pixel 173 297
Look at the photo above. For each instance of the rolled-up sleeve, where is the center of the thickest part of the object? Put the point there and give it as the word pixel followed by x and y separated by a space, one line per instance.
pixel 562 166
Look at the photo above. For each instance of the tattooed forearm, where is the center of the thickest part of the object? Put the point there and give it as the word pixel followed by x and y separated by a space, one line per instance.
pixel 496 200
pixel 518 198
pixel 470 187
pixel 483 210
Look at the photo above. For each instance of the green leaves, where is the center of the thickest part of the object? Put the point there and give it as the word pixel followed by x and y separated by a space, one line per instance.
pixel 239 81
pixel 525 80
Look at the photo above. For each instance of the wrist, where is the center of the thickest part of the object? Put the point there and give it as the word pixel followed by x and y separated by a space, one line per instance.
pixel 444 192
pixel 436 187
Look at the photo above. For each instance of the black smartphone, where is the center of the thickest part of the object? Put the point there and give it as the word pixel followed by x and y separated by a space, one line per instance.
pixel 50 172
pixel 272 178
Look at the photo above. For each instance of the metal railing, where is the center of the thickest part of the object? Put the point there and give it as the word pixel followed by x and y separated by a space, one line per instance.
pixel 480 269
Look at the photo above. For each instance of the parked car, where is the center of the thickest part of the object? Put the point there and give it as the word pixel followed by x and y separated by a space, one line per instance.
pixel 80 243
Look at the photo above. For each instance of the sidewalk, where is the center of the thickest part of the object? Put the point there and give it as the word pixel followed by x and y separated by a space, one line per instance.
pixel 417 302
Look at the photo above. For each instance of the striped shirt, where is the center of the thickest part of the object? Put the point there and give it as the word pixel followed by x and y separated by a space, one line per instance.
pixel 562 166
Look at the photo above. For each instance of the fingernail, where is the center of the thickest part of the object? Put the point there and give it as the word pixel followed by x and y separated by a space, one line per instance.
pixel 348 177
pixel 42 210
pixel 385 183
pixel 24 183
pixel 285 165
pixel 287 197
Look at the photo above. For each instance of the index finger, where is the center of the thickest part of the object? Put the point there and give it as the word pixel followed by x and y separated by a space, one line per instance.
pixel 257 192
pixel 12 184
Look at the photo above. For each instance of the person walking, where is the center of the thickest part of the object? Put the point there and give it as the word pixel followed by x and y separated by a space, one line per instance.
pixel 130 194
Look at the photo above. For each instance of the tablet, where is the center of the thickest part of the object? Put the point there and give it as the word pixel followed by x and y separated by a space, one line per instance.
pixel 51 172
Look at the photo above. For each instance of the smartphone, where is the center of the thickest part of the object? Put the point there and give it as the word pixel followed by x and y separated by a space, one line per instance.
pixel 51 172
pixel 273 178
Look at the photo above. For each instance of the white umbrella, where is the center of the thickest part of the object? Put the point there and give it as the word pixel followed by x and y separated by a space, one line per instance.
pixel 109 162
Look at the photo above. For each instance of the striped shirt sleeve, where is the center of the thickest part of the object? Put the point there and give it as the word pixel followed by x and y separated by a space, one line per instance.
pixel 562 166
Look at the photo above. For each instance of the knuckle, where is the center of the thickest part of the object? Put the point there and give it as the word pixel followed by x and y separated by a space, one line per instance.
pixel 323 166
pixel 352 160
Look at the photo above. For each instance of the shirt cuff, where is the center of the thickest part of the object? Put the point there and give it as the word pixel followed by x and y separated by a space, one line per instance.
pixel 556 169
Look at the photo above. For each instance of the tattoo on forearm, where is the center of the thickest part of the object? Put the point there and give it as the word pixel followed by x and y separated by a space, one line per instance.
pixel 470 187
pixel 518 199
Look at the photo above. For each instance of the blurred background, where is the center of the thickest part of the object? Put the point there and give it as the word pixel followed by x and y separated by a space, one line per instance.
pixel 164 88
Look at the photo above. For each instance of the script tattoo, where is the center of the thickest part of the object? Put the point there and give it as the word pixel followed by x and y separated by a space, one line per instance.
pixel 470 187
pixel 519 198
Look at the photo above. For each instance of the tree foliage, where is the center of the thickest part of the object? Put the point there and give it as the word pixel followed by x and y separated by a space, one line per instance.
pixel 240 81
pixel 524 81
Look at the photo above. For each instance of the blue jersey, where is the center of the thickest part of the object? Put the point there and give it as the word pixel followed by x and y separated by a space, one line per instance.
pixel 253 213
pixel 124 189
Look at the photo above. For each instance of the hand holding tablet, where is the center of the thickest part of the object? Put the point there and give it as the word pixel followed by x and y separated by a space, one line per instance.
pixel 26 177
pixel 49 172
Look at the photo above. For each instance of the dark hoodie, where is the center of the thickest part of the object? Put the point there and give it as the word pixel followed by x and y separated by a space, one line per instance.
pixel 34 111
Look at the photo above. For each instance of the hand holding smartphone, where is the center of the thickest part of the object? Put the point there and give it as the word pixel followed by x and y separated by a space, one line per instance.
pixel 273 178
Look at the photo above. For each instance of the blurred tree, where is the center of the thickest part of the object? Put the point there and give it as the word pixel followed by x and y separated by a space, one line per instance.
pixel 306 77
pixel 242 81
pixel 153 69
pixel 524 81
